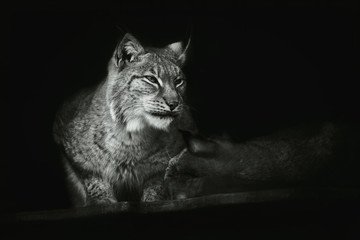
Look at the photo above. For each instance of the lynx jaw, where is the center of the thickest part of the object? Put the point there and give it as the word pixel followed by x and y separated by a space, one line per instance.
pixel 159 121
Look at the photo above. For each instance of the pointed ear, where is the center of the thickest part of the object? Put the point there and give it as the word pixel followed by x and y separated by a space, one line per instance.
pixel 127 50
pixel 180 51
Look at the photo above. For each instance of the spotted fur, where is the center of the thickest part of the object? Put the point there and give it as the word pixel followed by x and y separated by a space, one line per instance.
pixel 121 134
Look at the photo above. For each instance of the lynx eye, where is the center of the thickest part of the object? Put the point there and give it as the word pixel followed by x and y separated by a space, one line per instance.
pixel 178 82
pixel 151 79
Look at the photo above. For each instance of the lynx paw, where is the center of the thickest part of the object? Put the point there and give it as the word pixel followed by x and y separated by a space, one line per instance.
pixel 153 193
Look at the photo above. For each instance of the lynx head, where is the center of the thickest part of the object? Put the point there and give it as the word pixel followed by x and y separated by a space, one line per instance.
pixel 146 86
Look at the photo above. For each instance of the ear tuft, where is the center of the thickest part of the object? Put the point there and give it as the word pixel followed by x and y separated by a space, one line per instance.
pixel 127 50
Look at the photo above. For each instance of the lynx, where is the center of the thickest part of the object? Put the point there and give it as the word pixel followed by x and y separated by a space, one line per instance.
pixel 117 138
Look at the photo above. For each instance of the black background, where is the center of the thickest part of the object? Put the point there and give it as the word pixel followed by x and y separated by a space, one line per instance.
pixel 254 67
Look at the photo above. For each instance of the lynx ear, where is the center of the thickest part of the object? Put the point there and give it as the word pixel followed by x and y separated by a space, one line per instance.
pixel 179 50
pixel 127 50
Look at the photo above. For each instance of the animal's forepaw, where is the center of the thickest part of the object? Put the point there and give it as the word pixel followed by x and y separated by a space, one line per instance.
pixel 153 193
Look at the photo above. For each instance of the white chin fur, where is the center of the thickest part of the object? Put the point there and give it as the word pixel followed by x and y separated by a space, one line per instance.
pixel 138 124
pixel 159 123
pixel 135 125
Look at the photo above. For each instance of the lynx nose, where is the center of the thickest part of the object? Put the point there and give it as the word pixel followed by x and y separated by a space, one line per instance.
pixel 172 105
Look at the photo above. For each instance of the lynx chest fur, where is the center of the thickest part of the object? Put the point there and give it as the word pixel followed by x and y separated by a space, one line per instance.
pixel 118 137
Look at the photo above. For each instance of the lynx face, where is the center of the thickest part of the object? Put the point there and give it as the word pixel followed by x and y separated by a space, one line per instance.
pixel 146 86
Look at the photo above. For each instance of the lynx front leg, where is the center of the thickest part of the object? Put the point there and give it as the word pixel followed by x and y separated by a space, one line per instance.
pixel 87 189
pixel 98 191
